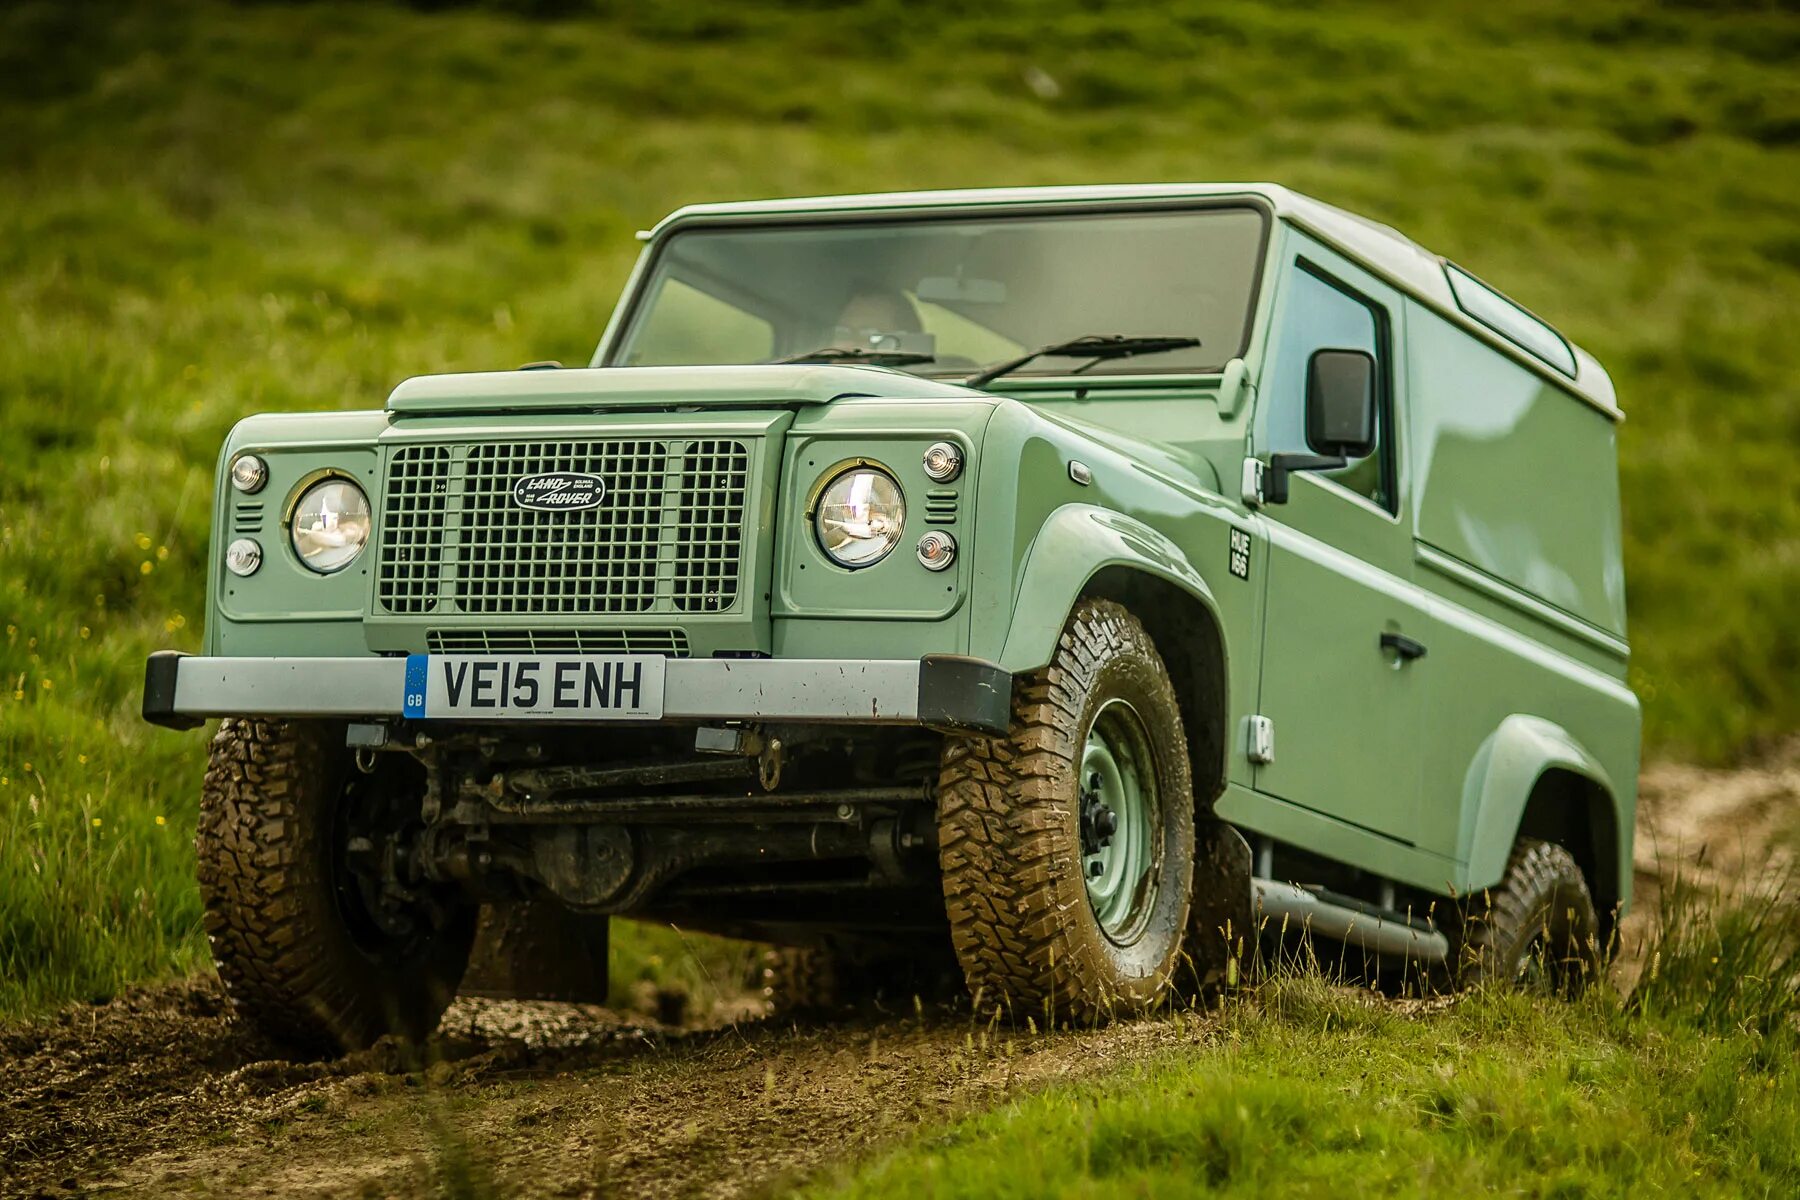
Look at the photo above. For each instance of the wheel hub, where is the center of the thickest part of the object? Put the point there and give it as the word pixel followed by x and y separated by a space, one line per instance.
pixel 1118 820
pixel 1098 821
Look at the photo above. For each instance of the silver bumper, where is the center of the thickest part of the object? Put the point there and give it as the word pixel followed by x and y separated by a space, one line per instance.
pixel 949 692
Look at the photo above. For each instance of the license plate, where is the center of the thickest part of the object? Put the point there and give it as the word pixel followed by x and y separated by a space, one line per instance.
pixel 538 687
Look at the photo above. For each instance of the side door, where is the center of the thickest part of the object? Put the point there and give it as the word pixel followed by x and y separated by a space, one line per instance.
pixel 1345 705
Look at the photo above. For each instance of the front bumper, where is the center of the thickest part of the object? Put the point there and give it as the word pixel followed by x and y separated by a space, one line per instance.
pixel 941 691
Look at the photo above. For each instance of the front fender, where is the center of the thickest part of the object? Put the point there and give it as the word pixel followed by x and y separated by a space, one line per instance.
pixel 1500 783
pixel 1077 542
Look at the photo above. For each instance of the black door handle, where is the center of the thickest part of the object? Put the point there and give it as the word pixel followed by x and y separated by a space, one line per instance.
pixel 1402 645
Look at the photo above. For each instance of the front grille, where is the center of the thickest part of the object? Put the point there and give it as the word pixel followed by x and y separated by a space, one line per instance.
pixel 672 643
pixel 668 536
pixel 712 525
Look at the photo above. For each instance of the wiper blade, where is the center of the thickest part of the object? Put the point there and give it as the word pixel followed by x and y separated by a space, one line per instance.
pixel 884 358
pixel 1098 347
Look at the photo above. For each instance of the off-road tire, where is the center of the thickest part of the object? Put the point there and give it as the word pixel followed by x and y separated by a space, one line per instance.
pixel 1010 840
pixel 280 936
pixel 799 981
pixel 844 973
pixel 1536 928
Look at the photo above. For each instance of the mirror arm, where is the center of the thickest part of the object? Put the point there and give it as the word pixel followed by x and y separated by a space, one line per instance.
pixel 1275 480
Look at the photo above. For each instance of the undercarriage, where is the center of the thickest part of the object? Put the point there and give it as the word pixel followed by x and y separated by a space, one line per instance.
pixel 776 832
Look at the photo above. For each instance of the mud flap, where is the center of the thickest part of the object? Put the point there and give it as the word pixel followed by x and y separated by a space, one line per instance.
pixel 538 950
pixel 1219 918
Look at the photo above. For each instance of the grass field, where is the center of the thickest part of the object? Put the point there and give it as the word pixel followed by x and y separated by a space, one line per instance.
pixel 1681 1087
pixel 1310 1092
pixel 209 210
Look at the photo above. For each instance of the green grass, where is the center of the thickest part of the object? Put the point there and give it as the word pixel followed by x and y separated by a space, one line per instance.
pixel 1303 1091
pixel 1685 1087
pixel 211 210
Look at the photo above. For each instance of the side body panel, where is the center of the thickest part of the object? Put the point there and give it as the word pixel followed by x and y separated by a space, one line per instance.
pixel 1517 507
pixel 1513 476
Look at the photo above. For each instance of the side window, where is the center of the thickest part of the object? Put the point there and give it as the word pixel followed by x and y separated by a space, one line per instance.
pixel 1322 314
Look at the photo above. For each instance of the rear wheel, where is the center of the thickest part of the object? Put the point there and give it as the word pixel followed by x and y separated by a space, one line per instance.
pixel 850 972
pixel 321 940
pixel 1536 929
pixel 1067 847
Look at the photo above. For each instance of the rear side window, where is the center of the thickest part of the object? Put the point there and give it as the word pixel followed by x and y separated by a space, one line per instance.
pixel 1510 321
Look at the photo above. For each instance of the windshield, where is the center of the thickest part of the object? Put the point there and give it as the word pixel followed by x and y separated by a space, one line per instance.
pixel 953 296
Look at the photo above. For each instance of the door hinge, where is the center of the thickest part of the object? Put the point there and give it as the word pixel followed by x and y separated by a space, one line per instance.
pixel 1261 749
pixel 1250 487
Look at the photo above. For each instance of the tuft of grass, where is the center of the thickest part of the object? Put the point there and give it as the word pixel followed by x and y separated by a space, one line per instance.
pixel 1727 963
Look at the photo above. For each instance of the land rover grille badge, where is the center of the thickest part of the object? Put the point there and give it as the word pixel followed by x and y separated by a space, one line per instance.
pixel 559 491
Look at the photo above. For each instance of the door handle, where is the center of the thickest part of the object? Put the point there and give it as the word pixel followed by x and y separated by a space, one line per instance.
pixel 1406 648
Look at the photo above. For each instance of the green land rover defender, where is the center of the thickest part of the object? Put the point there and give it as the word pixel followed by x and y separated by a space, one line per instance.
pixel 1047 589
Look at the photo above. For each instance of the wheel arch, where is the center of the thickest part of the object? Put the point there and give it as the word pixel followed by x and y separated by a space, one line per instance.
pixel 1532 778
pixel 1084 551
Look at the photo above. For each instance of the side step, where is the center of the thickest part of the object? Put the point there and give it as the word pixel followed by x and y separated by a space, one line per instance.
pixel 1384 932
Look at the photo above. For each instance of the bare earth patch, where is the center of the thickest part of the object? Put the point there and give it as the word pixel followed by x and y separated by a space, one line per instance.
pixel 156 1093
pixel 1718 827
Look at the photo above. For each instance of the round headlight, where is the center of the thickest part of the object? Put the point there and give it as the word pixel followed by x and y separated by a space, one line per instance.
pixel 859 518
pixel 331 523
pixel 249 473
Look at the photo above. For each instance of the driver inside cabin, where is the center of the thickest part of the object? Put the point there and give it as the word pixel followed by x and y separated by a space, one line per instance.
pixel 877 317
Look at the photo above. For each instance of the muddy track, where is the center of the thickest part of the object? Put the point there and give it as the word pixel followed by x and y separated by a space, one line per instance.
pixel 159 1093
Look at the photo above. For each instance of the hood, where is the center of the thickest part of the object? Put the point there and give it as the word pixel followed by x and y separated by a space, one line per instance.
pixel 588 389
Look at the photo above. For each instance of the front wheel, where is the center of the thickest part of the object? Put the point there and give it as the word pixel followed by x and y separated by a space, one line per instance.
pixel 319 941
pixel 1067 846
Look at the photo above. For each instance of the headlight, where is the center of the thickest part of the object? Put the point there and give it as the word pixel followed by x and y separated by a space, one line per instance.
pixel 859 518
pixel 331 523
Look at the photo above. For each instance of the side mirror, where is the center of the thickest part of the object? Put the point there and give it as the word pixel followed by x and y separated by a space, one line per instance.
pixel 1340 418
pixel 1340 403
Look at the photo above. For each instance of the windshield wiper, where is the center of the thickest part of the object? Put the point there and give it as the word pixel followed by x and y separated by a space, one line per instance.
pixel 1098 347
pixel 858 354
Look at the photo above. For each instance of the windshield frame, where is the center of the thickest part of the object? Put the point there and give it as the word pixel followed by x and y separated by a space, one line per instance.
pixel 630 310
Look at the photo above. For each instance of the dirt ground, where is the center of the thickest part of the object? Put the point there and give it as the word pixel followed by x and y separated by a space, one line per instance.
pixel 159 1093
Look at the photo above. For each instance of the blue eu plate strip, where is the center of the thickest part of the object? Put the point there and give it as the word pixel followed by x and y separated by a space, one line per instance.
pixel 414 703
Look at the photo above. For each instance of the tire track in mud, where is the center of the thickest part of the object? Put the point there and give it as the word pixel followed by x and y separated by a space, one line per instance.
pixel 158 1093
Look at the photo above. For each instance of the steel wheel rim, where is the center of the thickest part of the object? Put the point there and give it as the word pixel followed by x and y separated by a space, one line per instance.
pixel 1118 775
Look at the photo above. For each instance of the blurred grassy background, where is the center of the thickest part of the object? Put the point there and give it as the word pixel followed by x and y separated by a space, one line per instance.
pixel 208 210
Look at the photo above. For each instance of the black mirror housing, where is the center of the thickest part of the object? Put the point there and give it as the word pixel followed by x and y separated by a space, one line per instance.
pixel 1340 403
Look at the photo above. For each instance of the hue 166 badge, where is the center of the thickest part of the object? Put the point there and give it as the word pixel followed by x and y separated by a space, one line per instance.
pixel 1240 553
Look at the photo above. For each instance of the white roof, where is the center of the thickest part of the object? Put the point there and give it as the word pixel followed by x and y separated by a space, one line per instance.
pixel 1381 248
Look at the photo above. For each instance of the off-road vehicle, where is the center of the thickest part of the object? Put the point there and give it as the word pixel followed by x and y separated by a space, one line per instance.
pixel 1052 584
